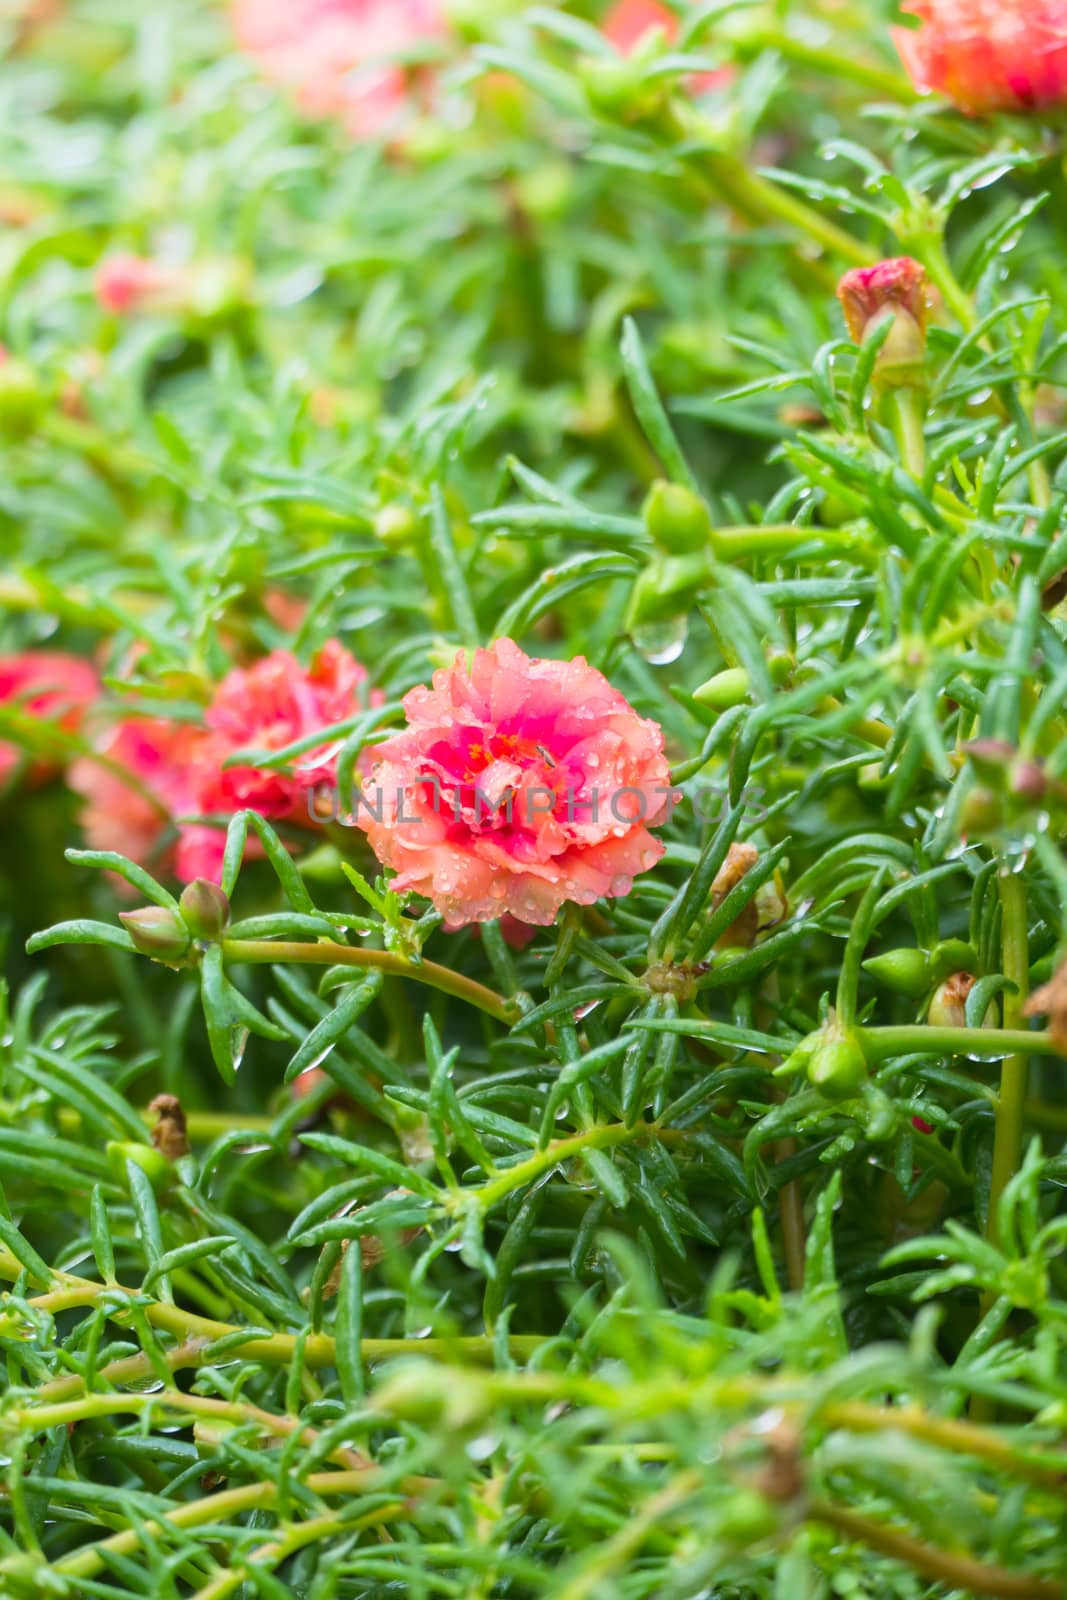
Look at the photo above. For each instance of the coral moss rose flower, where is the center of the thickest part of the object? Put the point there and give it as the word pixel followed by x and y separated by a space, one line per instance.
pixel 134 787
pixel 178 771
pixel 338 57
pixel 268 706
pixel 518 784
pixel 988 55
pixel 49 686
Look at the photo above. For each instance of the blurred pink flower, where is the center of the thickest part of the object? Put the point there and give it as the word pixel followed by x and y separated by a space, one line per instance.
pixel 127 283
pixel 179 769
pixel 267 706
pixel 988 55
pixel 517 785
pixel 50 687
pixel 627 23
pixel 134 786
pixel 335 55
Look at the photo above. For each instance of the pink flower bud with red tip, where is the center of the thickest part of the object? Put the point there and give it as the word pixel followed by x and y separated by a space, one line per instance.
pixel 895 290
pixel 988 55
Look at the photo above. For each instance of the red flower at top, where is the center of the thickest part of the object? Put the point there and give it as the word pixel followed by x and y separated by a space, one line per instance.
pixel 517 785
pixel 988 55
pixel 50 687
pixel 338 56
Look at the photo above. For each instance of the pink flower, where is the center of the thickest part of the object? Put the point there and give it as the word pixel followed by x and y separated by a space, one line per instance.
pixel 266 707
pixel 988 55
pixel 337 56
pixel 517 785
pixel 135 786
pixel 178 770
pixel 627 23
pixel 127 283
pixel 50 687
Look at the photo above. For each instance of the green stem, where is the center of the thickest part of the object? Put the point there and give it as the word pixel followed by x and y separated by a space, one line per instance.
pixel 760 200
pixel 213 1508
pixel 197 1333
pixel 262 951
pixel 772 539
pixel 904 410
pixel 920 1039
pixel 882 80
pixel 954 1571
pixel 1015 1072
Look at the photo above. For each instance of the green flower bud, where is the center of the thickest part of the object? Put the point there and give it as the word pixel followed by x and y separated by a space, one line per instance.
pixel 416 1392
pixel 991 759
pixel 618 88
pixel 951 955
pixel 205 909
pixel 982 813
pixel 668 587
pixel 747 1517
pixel 837 1067
pixel 153 1163
pixel 676 518
pixel 22 399
pixel 158 933
pixel 904 971
pixel 396 525
pixel 546 191
pixel 726 689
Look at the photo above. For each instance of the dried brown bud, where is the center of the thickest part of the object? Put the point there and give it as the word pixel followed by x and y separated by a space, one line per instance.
pixel 169 1134
pixel 1051 1001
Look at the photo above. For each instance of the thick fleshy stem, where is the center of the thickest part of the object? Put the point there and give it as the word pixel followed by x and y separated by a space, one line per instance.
pixel 1015 1071
pixel 955 1571
pixel 262 951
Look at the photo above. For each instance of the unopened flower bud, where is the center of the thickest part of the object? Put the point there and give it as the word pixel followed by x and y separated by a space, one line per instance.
pixel 205 909
pixel 1028 782
pixel 667 588
pixel 153 1163
pixel 677 519
pixel 991 759
pixel 838 1067
pixel 905 971
pixel 158 933
pixel 948 1008
pixel 893 290
pixel 396 525
pixel 22 399
pixel 982 813
pixel 724 690
pixel 619 88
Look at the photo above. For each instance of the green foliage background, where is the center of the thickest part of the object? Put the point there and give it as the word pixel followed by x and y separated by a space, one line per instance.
pixel 632 1316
